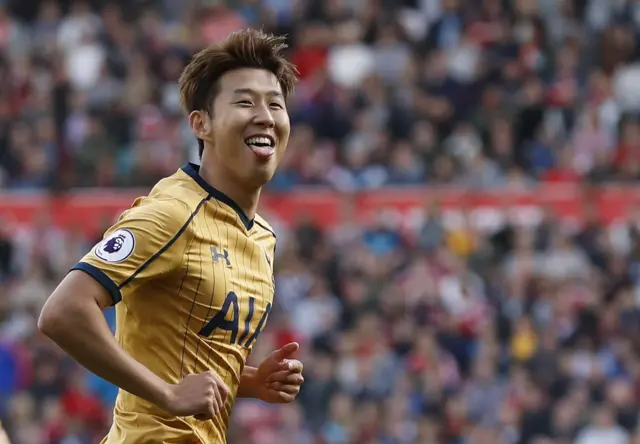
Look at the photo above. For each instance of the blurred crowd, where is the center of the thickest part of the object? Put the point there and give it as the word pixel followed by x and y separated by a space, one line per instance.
pixel 487 93
pixel 431 335
pixel 434 335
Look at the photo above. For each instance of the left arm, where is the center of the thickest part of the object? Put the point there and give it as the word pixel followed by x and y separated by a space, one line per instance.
pixel 276 380
pixel 248 386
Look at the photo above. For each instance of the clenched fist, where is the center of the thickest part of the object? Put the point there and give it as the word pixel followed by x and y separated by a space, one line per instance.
pixel 202 395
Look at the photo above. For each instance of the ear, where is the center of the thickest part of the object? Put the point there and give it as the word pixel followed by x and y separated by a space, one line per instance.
pixel 200 124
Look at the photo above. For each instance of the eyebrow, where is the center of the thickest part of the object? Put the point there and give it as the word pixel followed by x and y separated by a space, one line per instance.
pixel 253 92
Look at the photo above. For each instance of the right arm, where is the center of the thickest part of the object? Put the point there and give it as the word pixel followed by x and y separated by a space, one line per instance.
pixel 72 317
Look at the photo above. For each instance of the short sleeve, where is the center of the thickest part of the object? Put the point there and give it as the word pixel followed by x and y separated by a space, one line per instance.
pixel 147 242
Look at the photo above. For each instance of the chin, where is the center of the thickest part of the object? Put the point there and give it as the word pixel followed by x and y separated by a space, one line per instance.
pixel 260 176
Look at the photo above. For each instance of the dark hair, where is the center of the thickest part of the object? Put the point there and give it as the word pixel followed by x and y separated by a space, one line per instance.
pixel 248 48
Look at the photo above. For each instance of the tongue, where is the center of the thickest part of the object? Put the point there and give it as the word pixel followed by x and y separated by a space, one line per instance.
pixel 263 151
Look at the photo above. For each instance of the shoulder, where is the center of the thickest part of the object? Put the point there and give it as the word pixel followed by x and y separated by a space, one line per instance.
pixel 151 223
pixel 173 197
pixel 264 226
pixel 148 226
pixel 168 212
pixel 170 204
pixel 266 235
pixel 161 218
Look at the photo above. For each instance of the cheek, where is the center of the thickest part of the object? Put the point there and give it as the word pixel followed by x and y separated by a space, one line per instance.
pixel 284 137
pixel 284 141
pixel 282 148
pixel 226 133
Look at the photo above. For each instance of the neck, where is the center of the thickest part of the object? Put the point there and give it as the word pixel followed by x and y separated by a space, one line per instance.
pixel 246 199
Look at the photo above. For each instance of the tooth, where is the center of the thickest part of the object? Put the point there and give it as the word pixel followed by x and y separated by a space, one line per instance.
pixel 260 140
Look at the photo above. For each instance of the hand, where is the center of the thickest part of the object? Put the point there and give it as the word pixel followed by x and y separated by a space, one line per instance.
pixel 201 395
pixel 279 378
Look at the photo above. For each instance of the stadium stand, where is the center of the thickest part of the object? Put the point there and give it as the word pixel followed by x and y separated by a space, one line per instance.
pixel 457 216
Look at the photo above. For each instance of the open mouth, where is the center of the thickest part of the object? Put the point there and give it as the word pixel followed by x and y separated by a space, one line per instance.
pixel 262 146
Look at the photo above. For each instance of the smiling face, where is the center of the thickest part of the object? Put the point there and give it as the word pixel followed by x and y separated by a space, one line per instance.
pixel 247 133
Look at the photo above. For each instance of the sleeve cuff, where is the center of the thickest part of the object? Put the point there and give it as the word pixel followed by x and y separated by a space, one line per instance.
pixel 102 278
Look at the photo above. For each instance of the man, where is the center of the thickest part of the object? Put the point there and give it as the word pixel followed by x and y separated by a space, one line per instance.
pixel 190 266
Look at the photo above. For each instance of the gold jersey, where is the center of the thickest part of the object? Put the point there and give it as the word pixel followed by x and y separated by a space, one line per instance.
pixel 192 280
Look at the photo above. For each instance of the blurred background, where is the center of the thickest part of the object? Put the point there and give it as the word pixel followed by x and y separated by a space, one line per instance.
pixel 457 213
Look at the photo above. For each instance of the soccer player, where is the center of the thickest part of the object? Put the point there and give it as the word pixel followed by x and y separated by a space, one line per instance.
pixel 190 266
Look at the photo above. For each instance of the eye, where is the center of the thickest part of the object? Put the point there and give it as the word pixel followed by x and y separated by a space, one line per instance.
pixel 276 105
pixel 244 103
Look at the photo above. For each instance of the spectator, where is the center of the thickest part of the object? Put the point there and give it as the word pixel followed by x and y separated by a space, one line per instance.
pixel 603 429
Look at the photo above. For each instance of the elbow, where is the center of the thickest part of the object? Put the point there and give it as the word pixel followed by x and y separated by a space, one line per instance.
pixel 58 317
pixel 50 321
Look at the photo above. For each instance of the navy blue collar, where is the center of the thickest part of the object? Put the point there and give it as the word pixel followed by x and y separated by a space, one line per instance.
pixel 193 171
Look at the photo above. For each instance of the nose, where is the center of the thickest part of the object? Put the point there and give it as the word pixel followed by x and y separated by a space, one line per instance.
pixel 264 117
